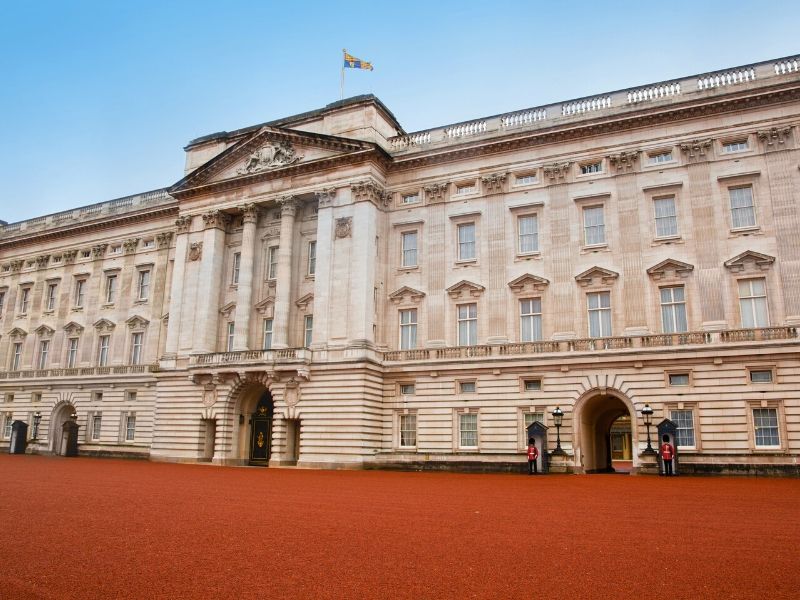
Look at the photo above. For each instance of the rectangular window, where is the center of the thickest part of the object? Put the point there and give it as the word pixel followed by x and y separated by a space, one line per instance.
pixel 312 257
pixel 530 319
pixel 467 324
pixel 116 249
pixel 409 239
pixel 468 430
pixel 466 387
pixel 80 292
pixel 599 314
pixel 407 389
pixel 678 379
pixel 753 303
pixel 72 353
pixel 660 157
pixel 111 289
pixel 272 262
pixel 465 189
pixel 144 284
pixel 742 209
pixel 267 344
pixel 408 431
pixel 136 348
pixel 130 428
pixel 97 423
pixel 528 231
pixel 24 300
pixel 684 421
pixel 594 226
pixel 408 329
pixel 44 346
pixel 765 422
pixel 2 303
pixel 52 288
pixel 229 337
pixel 410 198
pixel 16 356
pixel 466 241
pixel 237 263
pixel 595 167
pixel 673 309
pixel 525 180
pixel 531 418
pixel 8 421
pixel 36 397
pixel 102 355
pixel 734 146
pixel 761 376
pixel 533 385
pixel 149 243
pixel 308 325
pixel 666 217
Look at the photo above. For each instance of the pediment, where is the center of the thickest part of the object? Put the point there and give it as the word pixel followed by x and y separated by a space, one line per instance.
pixel 670 269
pixel 44 331
pixel 227 309
pixel 137 322
pixel 270 151
pixel 73 328
pixel 528 282
pixel 104 325
pixel 464 289
pixel 596 276
pixel 266 305
pixel 17 333
pixel 305 301
pixel 406 293
pixel 750 261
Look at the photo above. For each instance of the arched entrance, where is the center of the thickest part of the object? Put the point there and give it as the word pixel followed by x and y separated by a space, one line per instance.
pixel 61 414
pixel 255 414
pixel 606 439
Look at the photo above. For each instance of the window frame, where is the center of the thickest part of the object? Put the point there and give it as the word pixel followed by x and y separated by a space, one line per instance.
pixel 673 216
pixel 460 246
pixel 267 331
pixel 144 280
pixel 17 350
pixel 308 330
pixel 459 430
pixel 311 258
pixel 25 290
pixel 755 427
pixel 103 349
pixel 410 326
pixel 761 369
pixel 71 359
pixel 79 293
pixel 691 410
pixel 753 208
pixel 51 297
pixel 404 235
pixel 472 324
pixel 599 309
pixel 537 249
pixel 110 288
pixel 407 415
pixel 137 350
pixel 272 265
pixel 236 267
pixel 601 227
pixel 751 299
pixel 534 317
pixel 672 308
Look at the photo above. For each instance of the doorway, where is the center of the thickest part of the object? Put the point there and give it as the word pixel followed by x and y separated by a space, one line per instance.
pixel 60 415
pixel 261 431
pixel 292 441
pixel 605 435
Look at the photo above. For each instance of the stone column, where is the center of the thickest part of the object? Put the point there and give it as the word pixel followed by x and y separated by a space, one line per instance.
pixel 176 291
pixel 283 289
pixel 322 277
pixel 211 264
pixel 244 293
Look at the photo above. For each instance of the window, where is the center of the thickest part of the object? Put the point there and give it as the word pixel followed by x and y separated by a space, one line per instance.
pixel 44 346
pixel 410 198
pixel 7 422
pixel 525 179
pixel 594 167
pixel 467 324
pixel 136 348
pixel 229 337
pixel 407 389
pixel 102 356
pixel 111 289
pixel 666 217
pixel 130 428
pixel 761 376
pixel 530 419
pixel 753 303
pixel 143 285
pixel 532 385
pixel 735 146
pixel 408 431
pixel 36 397
pixel 116 249
pixel 267 344
pixel 466 241
pixel 599 314
pixel 312 257
pixel 678 379
pixel 16 356
pixel 466 387
pixel 97 423
pixel 9 397
pixel 409 240
pixel 594 227
pixel 272 262
pixel 408 329
pixel 673 309
pixel 72 353
pixel 468 430
pixel 765 423
pixel 80 292
pixel 85 253
pixel 24 299
pixel 308 325
pixel 2 303
pixel 530 319
pixel 684 422
pixel 660 157
pixel 151 243
pixel 237 263
pixel 468 188
pixel 528 232
pixel 52 288
pixel 742 208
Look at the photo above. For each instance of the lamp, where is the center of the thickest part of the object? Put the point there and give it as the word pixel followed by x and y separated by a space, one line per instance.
pixel 558 416
pixel 37 418
pixel 74 416
pixel 647 415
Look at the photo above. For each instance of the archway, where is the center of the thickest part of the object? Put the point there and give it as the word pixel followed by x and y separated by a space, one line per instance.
pixel 606 441
pixel 61 414
pixel 254 431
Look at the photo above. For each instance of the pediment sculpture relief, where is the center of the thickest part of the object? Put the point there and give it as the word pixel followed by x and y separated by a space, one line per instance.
pixel 277 154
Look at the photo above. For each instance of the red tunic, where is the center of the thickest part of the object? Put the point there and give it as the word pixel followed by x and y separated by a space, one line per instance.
pixel 667 451
pixel 533 452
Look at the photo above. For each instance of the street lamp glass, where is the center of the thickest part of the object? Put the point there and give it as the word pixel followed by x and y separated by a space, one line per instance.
pixel 647 413
pixel 558 415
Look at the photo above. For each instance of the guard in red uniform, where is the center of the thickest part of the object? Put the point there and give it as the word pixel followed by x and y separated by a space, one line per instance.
pixel 533 454
pixel 667 454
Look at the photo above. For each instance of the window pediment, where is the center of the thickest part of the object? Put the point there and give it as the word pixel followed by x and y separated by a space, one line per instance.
pixel 670 269
pixel 528 282
pixel 43 331
pixel 305 301
pixel 228 309
pixel 137 322
pixel 406 293
pixel 17 333
pixel 596 276
pixel 750 261
pixel 465 289
pixel 104 325
pixel 73 328
pixel 266 305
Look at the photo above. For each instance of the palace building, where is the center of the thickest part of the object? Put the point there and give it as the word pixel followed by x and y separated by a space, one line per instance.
pixel 328 290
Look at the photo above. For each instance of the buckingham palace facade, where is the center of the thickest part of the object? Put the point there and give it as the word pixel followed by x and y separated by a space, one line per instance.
pixel 328 290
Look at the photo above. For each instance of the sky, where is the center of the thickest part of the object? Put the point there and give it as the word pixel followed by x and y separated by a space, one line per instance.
pixel 98 99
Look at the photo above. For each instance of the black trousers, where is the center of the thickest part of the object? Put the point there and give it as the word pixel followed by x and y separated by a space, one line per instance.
pixel 668 467
pixel 532 467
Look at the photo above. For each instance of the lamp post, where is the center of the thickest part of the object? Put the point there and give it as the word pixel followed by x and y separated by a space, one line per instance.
pixel 74 416
pixel 647 415
pixel 558 416
pixel 37 418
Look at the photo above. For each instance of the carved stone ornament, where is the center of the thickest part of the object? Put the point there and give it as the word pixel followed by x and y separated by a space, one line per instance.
pixel 344 227
pixel 42 260
pixel 163 240
pixel 130 245
pixel 69 256
pixel 195 250
pixel 273 155
pixel 436 192
pixel 250 212
pixel 696 148
pixel 750 261
pixel 99 250
pixel 104 325
pixel 596 276
pixel 183 223
pixel 775 135
pixel 216 218
pixel 624 161
pixel 494 183
pixel 209 395
pixel 16 265
pixel 367 191
pixel 325 197
pixel 556 171
pixel 289 205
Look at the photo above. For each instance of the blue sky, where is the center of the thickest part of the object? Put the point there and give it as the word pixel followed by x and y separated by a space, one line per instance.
pixel 99 98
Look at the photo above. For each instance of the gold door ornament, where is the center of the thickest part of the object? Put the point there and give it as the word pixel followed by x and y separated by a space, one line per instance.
pixel 260 440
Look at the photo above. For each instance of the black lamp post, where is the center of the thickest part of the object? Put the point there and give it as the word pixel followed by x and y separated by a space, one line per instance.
pixel 647 415
pixel 558 416
pixel 74 416
pixel 37 418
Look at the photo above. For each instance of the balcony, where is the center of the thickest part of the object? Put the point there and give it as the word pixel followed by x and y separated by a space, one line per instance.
pixel 79 372
pixel 250 357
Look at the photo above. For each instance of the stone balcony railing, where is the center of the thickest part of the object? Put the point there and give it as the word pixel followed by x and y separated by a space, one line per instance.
pixel 540 117
pixel 79 372
pixel 250 357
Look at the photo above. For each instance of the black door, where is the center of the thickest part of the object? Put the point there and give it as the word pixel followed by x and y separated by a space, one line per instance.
pixel 261 431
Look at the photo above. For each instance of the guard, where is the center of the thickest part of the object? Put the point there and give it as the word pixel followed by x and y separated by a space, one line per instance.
pixel 533 454
pixel 667 454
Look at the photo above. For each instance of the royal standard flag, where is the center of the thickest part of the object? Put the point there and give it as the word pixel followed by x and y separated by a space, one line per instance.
pixel 351 62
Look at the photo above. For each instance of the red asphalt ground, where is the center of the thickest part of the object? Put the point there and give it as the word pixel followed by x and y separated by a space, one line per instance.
pixel 101 528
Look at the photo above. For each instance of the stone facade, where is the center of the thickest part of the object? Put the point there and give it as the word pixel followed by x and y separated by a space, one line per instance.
pixel 329 290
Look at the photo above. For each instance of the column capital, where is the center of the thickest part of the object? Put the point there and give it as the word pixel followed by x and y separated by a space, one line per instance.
pixel 215 219
pixel 183 223
pixel 325 197
pixel 368 191
pixel 130 245
pixel 250 212
pixel 163 239
pixel 289 205
pixel 69 256
pixel 697 149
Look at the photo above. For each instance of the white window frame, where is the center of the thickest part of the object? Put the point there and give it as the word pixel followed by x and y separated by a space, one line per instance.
pixel 407 389
pixel 471 323
pixel 657 157
pixel 673 309
pixel 600 310
pixel 143 284
pixel 267 331
pixel 465 189
pixel 667 222
pixel 311 265
pixel 41 358
pixel 409 199
pixel 130 428
pixel 407 430
pixel 16 355
pixel 591 168
pixel 236 268
pixel 24 299
pixel 526 179
pixel 748 304
pixel 308 330
pixel 758 424
pixel 531 237
pixel 681 426
pixel 594 234
pixel 737 145
pixel 464 434
pixel 229 335
pixel 736 212
pixel 72 352
pixel 272 262
pixel 408 328
pixel 530 319
pixel 103 350
pixel 111 288
pixel 467 248
pixel 51 297
pixel 97 426
pixel 409 251
pixel 80 292
pixel 137 347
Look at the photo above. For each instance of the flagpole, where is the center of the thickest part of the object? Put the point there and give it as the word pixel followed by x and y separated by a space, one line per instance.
pixel 341 90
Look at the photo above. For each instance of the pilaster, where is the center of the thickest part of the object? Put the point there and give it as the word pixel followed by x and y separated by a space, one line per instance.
pixel 283 286
pixel 210 279
pixel 182 226
pixel 244 292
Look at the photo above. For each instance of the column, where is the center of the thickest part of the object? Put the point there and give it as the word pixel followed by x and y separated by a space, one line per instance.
pixel 283 289
pixel 322 277
pixel 176 291
pixel 211 264
pixel 244 293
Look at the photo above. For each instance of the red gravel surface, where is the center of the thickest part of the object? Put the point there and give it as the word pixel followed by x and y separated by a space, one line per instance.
pixel 94 528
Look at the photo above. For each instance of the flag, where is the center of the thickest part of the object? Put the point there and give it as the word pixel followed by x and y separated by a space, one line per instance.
pixel 351 62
